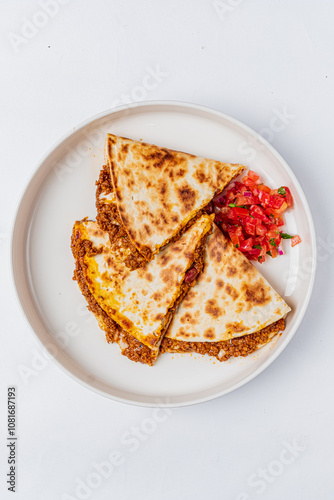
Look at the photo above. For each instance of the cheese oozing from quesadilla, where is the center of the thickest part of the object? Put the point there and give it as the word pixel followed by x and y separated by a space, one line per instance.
pixel 141 301
pixel 230 299
pixel 158 190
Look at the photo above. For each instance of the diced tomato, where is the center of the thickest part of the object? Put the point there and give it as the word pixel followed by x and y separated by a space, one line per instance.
pixel 250 225
pixel 249 182
pixel 252 175
pixel 272 231
pixel 235 233
pixel 264 188
pixel 230 196
pixel 295 240
pixel 260 229
pixel 276 202
pixel 259 213
pixel 240 187
pixel 252 215
pixel 274 252
pixel 234 238
pixel 265 199
pixel 242 200
pixel 288 197
pixel 279 221
pixel 279 211
pixel 247 245
pixel 238 212
pixel 255 252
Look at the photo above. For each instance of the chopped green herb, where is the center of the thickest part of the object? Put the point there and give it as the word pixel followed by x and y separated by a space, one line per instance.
pixel 281 191
pixel 251 216
pixel 269 253
pixel 260 258
pixel 232 205
pixel 286 236
pixel 272 242
pixel 237 246
pixel 257 246
pixel 242 206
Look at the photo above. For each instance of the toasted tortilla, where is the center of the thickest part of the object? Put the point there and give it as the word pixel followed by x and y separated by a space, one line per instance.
pixel 230 299
pixel 140 301
pixel 158 190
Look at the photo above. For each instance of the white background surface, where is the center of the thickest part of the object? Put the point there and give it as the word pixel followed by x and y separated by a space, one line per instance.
pixel 249 59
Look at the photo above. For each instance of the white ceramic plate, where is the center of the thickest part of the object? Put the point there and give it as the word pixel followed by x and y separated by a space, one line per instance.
pixel 62 190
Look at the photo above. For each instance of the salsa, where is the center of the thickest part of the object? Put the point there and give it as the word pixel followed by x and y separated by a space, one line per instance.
pixel 251 214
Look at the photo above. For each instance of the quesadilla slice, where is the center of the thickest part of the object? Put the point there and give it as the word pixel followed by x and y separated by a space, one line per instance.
pixel 159 191
pixel 130 347
pixel 230 300
pixel 142 301
pixel 109 220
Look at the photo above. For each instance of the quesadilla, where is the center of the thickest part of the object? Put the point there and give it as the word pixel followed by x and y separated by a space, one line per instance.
pixel 231 299
pixel 142 301
pixel 138 352
pixel 130 347
pixel 159 191
pixel 108 218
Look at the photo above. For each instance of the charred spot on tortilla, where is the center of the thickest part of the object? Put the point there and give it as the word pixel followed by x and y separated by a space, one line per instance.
pixel 157 296
pixel 209 333
pixel 200 175
pixel 147 229
pixel 256 293
pixel 231 271
pixel 187 197
pixel 231 291
pixel 212 309
pixel 219 283
pixel 166 276
pixel 188 318
pixel 236 327
pixel 246 266
pixel 165 259
pixel 180 173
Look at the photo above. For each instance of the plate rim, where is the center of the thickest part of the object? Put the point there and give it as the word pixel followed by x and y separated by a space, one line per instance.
pixel 185 106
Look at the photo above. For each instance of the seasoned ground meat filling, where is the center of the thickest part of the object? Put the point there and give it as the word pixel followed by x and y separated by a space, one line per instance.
pixel 241 346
